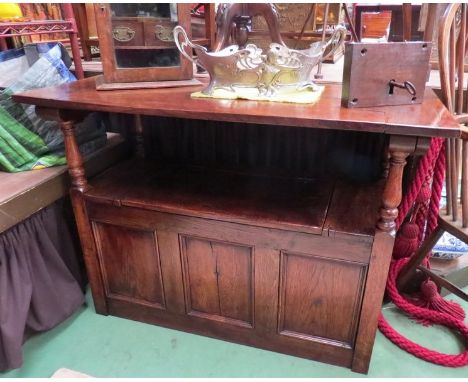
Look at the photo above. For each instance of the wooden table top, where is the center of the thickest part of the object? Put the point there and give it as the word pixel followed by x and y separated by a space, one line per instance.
pixel 429 119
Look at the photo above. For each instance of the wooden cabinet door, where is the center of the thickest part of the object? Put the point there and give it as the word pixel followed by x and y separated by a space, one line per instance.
pixel 130 264
pixel 218 280
pixel 320 298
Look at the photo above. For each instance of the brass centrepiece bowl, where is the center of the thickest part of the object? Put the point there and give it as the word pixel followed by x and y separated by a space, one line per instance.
pixel 279 68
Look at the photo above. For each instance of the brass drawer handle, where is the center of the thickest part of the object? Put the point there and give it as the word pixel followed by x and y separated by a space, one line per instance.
pixel 163 33
pixel 123 34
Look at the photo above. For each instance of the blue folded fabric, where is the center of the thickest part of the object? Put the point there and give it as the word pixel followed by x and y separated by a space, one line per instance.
pixel 10 54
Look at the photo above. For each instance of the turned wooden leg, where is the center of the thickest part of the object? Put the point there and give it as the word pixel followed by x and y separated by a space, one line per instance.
pixel 79 185
pixel 74 159
pixel 407 16
pixel 67 120
pixel 392 194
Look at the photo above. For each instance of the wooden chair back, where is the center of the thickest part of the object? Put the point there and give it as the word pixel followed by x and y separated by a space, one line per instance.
pixel 452 47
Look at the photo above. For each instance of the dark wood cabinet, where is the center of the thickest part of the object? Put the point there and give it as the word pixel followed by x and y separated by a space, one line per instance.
pixel 289 261
pixel 182 244
pixel 174 254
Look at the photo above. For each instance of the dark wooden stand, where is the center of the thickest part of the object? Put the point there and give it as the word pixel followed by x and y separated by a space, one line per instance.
pixel 290 264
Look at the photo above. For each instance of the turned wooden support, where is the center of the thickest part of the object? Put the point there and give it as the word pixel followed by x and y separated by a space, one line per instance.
pixel 398 150
pixel 79 184
pixel 74 159
pixel 67 120
pixel 393 192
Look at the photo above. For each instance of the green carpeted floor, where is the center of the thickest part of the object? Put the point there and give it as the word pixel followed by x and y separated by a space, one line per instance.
pixel 113 347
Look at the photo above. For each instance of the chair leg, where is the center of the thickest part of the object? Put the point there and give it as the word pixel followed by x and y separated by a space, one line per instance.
pixel 407 15
pixel 408 270
pixel 444 283
pixel 448 182
pixel 464 184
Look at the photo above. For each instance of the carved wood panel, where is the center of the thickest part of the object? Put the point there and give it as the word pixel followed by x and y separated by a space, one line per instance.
pixel 320 298
pixel 218 280
pixel 130 264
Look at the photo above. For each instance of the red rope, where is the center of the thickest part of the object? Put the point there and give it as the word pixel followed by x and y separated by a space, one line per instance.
pixel 433 163
pixel 420 220
pixel 437 186
pixel 451 360
pixel 425 167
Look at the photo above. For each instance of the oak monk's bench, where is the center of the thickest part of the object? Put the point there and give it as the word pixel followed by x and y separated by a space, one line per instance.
pixel 240 220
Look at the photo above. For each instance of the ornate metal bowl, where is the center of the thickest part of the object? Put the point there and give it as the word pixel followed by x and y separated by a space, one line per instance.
pixel 269 73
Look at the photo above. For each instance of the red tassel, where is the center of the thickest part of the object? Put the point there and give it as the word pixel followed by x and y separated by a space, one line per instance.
pixel 431 299
pixel 406 242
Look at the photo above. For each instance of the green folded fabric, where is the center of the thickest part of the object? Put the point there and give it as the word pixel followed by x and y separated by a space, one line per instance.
pixel 21 149
pixel 28 142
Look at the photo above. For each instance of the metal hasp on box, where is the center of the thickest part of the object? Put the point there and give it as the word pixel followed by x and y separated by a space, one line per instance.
pixel 385 74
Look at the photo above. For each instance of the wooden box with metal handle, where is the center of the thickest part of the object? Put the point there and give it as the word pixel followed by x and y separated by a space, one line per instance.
pixel 385 74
